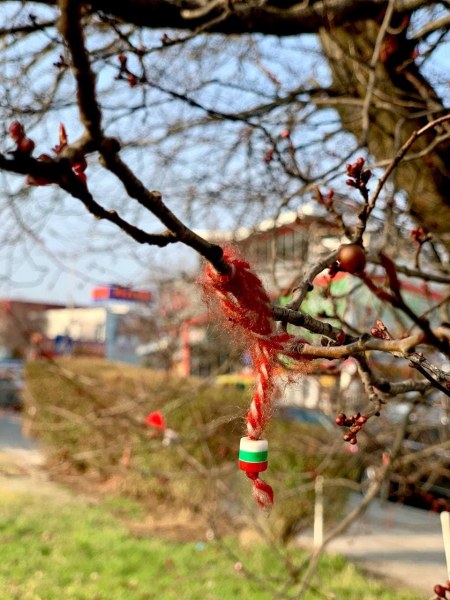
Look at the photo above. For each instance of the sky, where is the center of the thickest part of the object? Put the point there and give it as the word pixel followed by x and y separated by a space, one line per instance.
pixel 51 249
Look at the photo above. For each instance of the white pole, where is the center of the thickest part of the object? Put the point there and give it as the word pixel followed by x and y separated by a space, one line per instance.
pixel 445 522
pixel 318 511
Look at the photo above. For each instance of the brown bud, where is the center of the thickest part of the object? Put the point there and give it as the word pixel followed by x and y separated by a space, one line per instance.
pixel 340 419
pixel 440 591
pixel 25 145
pixel 352 258
pixel 16 131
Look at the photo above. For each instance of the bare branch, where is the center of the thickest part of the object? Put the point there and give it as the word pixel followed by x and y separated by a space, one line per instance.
pixel 90 115
pixel 300 319
pixel 402 152
pixel 70 27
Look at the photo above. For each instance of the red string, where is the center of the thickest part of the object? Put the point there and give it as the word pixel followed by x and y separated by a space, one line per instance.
pixel 245 305
pixel 262 491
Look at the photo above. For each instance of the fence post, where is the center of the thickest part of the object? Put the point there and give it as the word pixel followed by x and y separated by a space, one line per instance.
pixel 318 511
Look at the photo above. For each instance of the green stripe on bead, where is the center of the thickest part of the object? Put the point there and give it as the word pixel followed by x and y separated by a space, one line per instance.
pixel 253 456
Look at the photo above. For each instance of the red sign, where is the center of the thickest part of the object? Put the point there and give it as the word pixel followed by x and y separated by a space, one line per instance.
pixel 156 419
pixel 120 293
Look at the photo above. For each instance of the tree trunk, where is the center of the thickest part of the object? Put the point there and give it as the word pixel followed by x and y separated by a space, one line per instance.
pixel 402 102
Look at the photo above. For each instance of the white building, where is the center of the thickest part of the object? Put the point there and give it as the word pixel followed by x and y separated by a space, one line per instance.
pixel 114 329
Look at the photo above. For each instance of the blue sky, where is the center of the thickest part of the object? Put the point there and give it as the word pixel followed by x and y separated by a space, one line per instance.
pixel 52 249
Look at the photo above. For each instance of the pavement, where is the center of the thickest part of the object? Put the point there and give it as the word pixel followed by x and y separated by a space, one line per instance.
pixel 397 542
pixel 22 463
pixel 11 436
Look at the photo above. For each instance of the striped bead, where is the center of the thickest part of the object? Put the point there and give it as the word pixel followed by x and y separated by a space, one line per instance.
pixel 253 455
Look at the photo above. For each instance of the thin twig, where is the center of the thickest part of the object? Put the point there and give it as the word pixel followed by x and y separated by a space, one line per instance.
pixel 372 66
pixel 401 153
pixel 372 492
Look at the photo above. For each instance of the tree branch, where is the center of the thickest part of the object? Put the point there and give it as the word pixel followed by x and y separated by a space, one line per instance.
pixel 90 114
pixel 300 319
pixel 70 28
pixel 290 18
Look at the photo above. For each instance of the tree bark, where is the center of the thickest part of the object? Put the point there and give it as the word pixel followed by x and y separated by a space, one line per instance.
pixel 401 102
pixel 274 17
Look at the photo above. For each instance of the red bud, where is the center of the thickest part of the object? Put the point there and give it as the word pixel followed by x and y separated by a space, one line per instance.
pixel 16 131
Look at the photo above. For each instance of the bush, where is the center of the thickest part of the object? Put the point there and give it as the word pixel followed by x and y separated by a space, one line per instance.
pixel 90 417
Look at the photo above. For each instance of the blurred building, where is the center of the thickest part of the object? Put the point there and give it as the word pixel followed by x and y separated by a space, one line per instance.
pixel 277 250
pixel 19 320
pixel 114 328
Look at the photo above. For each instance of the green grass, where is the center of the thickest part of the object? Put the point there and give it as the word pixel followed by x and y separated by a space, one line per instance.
pixel 69 550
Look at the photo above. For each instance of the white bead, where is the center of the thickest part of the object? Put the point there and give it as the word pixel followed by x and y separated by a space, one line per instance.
pixel 249 445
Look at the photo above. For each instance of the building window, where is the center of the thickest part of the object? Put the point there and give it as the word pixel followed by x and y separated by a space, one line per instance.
pixel 300 244
pixel 292 245
pixel 262 249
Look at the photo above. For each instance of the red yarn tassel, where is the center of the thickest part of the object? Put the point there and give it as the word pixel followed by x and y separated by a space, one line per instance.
pixel 262 492
pixel 246 307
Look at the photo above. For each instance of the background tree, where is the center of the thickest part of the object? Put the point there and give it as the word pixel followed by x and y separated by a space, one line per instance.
pixel 238 111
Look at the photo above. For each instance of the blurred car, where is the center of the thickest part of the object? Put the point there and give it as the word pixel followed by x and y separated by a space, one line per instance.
pixel 11 383
pixel 300 414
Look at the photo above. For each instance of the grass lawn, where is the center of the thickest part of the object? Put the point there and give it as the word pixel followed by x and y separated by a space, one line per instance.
pixel 67 550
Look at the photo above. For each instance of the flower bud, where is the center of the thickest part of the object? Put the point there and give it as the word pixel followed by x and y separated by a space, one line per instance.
pixel 16 131
pixel 340 419
pixel 440 591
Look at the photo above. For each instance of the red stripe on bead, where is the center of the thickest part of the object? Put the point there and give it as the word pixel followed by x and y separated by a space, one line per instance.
pixel 253 467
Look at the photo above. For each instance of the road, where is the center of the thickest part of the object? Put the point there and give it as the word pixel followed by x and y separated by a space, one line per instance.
pixel 398 542
pixel 22 463
pixel 11 433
